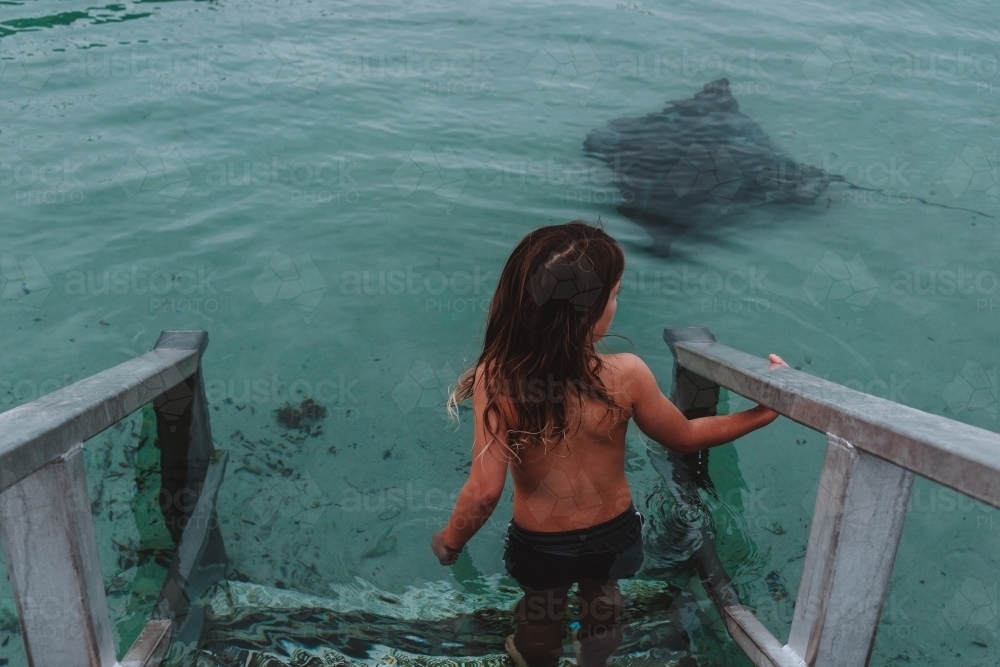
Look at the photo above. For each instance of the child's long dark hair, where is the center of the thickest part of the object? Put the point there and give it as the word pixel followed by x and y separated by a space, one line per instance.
pixel 538 350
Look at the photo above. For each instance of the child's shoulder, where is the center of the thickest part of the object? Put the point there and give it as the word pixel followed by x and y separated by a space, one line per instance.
pixel 624 364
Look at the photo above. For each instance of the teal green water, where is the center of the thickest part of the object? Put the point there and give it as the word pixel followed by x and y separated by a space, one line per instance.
pixel 330 190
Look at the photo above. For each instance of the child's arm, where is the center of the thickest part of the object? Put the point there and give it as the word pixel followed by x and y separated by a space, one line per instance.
pixel 660 419
pixel 481 492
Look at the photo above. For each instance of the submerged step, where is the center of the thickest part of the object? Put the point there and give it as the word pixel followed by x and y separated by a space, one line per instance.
pixel 250 625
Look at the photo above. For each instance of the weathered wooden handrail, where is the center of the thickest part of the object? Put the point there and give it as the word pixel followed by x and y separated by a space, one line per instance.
pixel 46 524
pixel 874 448
pixel 957 455
pixel 39 432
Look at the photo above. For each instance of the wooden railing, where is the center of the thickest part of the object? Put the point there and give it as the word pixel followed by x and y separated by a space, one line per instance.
pixel 874 448
pixel 46 523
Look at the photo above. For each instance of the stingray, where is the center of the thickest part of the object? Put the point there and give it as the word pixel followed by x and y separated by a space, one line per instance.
pixel 697 160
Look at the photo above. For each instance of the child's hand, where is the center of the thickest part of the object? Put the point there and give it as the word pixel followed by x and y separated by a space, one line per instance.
pixel 776 362
pixel 445 554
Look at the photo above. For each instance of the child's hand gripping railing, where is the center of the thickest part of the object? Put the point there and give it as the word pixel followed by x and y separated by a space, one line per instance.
pixel 45 513
pixel 874 448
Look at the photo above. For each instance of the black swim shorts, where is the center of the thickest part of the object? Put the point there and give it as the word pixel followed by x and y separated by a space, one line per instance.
pixel 609 550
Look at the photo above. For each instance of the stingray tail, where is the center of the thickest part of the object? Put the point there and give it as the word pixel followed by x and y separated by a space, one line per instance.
pixel 837 178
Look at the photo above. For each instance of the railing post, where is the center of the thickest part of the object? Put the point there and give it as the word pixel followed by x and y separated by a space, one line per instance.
pixel 185 436
pixel 52 558
pixel 693 395
pixel 184 433
pixel 696 397
pixel 856 526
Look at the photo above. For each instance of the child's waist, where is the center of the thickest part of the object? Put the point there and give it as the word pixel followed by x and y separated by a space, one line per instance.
pixel 615 534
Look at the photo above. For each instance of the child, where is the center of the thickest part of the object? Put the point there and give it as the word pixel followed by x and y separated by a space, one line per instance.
pixel 555 411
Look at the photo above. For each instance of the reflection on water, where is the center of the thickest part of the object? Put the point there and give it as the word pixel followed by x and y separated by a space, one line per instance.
pixel 92 15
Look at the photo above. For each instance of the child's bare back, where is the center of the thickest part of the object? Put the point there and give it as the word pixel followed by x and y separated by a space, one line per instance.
pixel 578 481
